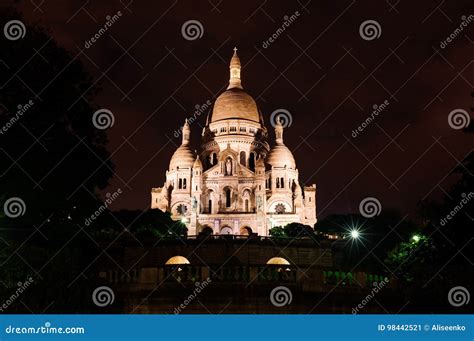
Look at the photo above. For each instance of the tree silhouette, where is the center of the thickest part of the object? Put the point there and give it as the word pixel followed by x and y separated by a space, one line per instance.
pixel 51 154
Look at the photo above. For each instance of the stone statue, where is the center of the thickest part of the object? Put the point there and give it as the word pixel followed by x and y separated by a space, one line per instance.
pixel 228 167
pixel 259 203
pixel 194 201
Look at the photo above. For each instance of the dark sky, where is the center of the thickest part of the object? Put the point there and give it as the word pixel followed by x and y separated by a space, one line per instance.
pixel 319 69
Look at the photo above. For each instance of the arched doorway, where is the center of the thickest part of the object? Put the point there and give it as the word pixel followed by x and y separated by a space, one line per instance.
pixel 245 231
pixel 246 200
pixel 228 197
pixel 226 230
pixel 206 231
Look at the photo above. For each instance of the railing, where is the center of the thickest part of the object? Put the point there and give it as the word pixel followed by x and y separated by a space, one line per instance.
pixel 351 278
pixel 280 274
pixel 237 273
pixel 182 273
pixel 118 276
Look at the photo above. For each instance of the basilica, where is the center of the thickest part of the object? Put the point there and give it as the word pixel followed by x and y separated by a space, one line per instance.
pixel 237 184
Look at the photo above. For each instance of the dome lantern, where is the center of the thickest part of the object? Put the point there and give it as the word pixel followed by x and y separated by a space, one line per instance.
pixel 235 68
pixel 186 133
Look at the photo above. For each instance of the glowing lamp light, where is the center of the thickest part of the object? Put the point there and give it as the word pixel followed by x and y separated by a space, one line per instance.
pixel 355 234
pixel 183 220
pixel 416 238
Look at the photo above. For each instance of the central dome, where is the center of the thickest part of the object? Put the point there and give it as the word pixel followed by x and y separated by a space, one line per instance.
pixel 235 103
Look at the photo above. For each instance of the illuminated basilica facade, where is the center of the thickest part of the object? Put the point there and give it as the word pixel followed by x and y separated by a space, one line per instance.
pixel 237 184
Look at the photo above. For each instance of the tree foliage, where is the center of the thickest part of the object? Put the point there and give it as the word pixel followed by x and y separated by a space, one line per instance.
pixel 51 155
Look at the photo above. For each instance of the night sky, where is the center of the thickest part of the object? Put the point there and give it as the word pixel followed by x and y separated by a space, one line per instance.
pixel 320 69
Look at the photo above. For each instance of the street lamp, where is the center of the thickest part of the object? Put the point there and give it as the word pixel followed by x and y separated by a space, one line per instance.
pixel 416 238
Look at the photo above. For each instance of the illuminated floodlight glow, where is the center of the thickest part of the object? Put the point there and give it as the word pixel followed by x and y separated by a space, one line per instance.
pixel 416 238
pixel 355 234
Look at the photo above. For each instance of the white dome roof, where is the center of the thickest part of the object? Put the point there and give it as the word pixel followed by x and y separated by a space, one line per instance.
pixel 183 157
pixel 235 103
pixel 281 156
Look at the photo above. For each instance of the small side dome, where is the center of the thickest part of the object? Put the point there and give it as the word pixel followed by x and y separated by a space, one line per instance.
pixel 177 260
pixel 183 157
pixel 281 156
pixel 278 261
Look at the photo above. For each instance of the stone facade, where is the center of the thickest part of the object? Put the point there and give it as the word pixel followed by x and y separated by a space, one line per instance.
pixel 237 184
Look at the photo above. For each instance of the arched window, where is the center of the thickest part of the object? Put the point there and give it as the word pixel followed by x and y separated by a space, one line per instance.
pixel 245 231
pixel 213 159
pixel 184 183
pixel 180 183
pixel 252 161
pixel 243 158
pixel 277 261
pixel 246 205
pixel 226 230
pixel 280 208
pixel 177 260
pixel 282 182
pixel 207 231
pixel 277 182
pixel 209 201
pixel 228 198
